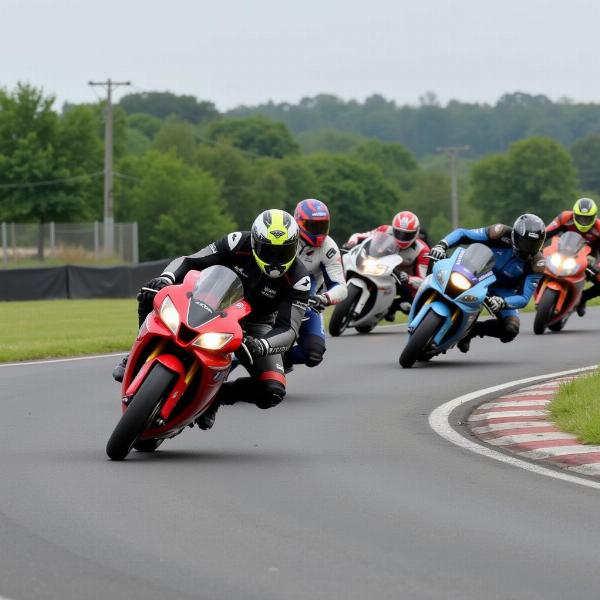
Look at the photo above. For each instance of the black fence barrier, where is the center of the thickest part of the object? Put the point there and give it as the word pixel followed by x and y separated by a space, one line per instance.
pixel 70 281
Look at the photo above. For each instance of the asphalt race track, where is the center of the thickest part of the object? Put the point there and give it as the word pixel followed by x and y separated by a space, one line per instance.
pixel 342 492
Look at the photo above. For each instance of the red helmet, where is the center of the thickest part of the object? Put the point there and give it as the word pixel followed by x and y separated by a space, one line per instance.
pixel 405 226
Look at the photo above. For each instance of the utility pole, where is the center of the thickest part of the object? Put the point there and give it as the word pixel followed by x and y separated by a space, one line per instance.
pixel 452 152
pixel 109 220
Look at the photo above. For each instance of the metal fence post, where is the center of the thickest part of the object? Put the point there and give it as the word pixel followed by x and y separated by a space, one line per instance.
pixel 52 238
pixel 96 239
pixel 135 251
pixel 4 244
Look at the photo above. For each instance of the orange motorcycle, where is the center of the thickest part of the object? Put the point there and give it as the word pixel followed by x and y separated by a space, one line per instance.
pixel 559 291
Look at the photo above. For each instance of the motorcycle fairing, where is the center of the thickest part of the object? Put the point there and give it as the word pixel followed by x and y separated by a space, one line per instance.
pixel 459 312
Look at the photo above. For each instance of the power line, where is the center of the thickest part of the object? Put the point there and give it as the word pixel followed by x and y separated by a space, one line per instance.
pixel 28 184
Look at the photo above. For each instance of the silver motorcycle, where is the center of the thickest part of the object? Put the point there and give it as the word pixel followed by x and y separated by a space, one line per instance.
pixel 369 269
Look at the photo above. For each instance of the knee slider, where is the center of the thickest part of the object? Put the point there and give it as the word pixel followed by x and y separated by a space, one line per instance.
pixel 269 394
pixel 314 348
pixel 511 330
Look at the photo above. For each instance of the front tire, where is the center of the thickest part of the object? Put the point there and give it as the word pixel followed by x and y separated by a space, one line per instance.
pixel 545 310
pixel 342 313
pixel 558 326
pixel 420 339
pixel 140 412
pixel 147 445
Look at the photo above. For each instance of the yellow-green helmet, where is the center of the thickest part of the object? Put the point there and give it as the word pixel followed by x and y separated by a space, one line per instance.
pixel 585 212
pixel 274 241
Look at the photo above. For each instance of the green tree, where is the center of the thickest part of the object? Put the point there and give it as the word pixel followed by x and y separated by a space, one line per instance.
pixel 234 171
pixel 257 136
pixel 535 175
pixel 145 124
pixel 329 140
pixel 45 160
pixel 166 104
pixel 586 156
pixel 177 136
pixel 358 195
pixel 177 206
pixel 396 163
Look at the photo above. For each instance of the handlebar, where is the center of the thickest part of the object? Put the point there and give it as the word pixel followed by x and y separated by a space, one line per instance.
pixel 246 352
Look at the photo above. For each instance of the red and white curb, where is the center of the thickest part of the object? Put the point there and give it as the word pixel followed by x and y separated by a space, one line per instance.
pixel 523 414
pixel 520 423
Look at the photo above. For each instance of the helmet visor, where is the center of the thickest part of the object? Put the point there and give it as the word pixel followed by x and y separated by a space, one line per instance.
pixel 402 235
pixel 315 227
pixel 275 254
pixel 584 220
pixel 529 246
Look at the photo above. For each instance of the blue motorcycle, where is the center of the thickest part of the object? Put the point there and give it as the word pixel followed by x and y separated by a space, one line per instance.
pixel 448 303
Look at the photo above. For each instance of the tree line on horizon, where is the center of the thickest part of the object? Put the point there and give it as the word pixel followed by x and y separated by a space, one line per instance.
pixel 188 174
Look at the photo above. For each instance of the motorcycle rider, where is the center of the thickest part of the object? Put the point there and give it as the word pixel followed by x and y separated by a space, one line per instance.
pixel 583 219
pixel 518 268
pixel 414 251
pixel 277 287
pixel 321 257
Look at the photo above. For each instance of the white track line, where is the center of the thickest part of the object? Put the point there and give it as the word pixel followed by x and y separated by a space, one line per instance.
pixel 438 421
pixel 50 361
pixel 59 360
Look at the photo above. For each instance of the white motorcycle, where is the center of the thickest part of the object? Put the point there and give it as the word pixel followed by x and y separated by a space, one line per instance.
pixel 369 269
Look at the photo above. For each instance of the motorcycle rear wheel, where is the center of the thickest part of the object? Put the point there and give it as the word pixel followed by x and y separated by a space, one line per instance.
pixel 545 310
pixel 342 313
pixel 420 339
pixel 141 411
pixel 365 328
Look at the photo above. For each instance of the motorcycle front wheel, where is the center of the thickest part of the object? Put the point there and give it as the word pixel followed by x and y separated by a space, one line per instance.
pixel 420 339
pixel 141 411
pixel 545 310
pixel 342 313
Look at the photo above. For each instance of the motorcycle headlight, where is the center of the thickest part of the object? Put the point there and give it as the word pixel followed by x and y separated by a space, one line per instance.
pixel 459 281
pixel 440 276
pixel 371 267
pixel 556 260
pixel 169 315
pixel 212 340
pixel 569 264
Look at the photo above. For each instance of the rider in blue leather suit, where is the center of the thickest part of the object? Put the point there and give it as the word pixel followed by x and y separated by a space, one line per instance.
pixel 518 268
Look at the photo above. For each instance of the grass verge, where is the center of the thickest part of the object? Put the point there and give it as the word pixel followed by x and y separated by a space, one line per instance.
pixel 576 408
pixel 54 328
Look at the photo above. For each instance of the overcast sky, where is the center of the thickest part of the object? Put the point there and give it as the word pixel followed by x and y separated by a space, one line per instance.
pixel 249 51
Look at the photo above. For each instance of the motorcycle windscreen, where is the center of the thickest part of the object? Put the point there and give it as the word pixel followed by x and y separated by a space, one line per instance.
pixel 381 244
pixel 570 243
pixel 477 260
pixel 216 289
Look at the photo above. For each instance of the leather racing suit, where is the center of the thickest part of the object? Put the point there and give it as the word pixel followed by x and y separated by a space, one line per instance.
pixel 278 305
pixel 563 223
pixel 516 278
pixel 324 265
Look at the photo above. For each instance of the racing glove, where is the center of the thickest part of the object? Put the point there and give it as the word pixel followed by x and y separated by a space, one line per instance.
pixel 318 302
pixel 438 252
pixel 257 346
pixel 495 304
pixel 401 277
pixel 148 291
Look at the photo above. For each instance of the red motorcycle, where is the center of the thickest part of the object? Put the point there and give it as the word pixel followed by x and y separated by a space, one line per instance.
pixel 182 355
pixel 559 292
